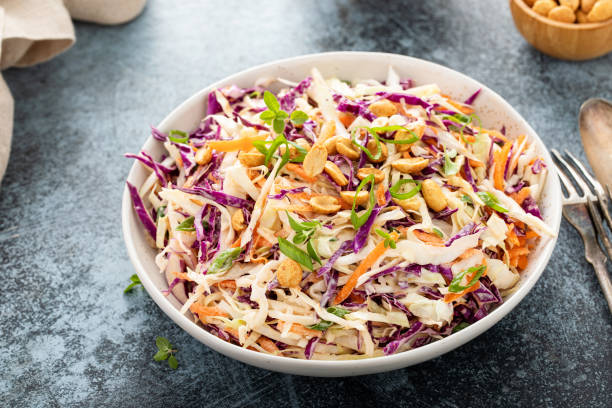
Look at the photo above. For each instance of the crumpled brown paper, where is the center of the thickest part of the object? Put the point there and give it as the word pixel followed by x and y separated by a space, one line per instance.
pixel 34 31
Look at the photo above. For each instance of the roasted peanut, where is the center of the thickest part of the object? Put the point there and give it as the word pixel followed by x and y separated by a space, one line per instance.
pixel 330 144
pixel 563 14
pixel 203 155
pixel 328 130
pixel 581 17
pixel 384 107
pixel 433 195
pixel 410 165
pixel 364 172
pixel 303 143
pixel 587 5
pixel 334 172
pixel 402 135
pixel 601 11
pixel 251 158
pixel 325 204
pixel 543 7
pixel 373 148
pixel 345 147
pixel 529 2
pixel 572 4
pixel 314 162
pixel 409 204
pixel 349 196
pixel 289 274
pixel 238 221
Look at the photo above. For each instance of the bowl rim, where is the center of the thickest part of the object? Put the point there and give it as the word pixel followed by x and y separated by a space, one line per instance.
pixel 364 365
pixel 569 26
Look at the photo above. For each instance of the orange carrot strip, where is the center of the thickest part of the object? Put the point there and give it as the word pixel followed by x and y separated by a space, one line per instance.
pixel 476 163
pixel 519 141
pixel 346 118
pixel 531 234
pixel 495 133
pixel 363 267
pixel 244 143
pixel 512 239
pixel 267 345
pixel 522 262
pixel 521 195
pixel 460 107
pixel 500 158
pixel 515 252
pixel 203 311
pixel 428 238
pixel 227 284
pixel 449 297
pixel 406 155
pixel 299 170
pixel 182 275
pixel 301 329
pixel 380 194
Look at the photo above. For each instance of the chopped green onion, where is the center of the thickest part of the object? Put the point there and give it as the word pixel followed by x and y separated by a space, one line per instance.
pixel 322 325
pixel 455 285
pixel 389 241
pixel 313 254
pixel 184 137
pixel 224 260
pixel 295 253
pixel 160 212
pixel 491 201
pixel 394 190
pixel 186 225
pixel 467 199
pixel 386 129
pixel 365 149
pixel 338 311
pixel 460 326
pixel 438 232
pixel 356 220
pixel 135 282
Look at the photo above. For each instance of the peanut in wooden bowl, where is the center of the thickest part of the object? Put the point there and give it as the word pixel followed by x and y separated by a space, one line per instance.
pixel 566 41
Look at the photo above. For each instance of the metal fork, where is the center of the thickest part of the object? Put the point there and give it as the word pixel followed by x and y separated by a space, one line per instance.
pixel 575 207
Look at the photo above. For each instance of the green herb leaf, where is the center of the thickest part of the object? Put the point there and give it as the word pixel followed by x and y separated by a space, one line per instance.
pixel 438 232
pixel 278 125
pixel 172 362
pixel 182 136
pixel 267 116
pixel 467 199
pixel 302 226
pixel 163 343
pixel 224 260
pixel 394 190
pixel 298 117
pixel 299 238
pixel 271 101
pixel 338 311
pixel 322 325
pixel 455 285
pixel 274 145
pixel 284 159
pixel 491 201
pixel 301 152
pixel 255 94
pixel 186 225
pixel 135 282
pixel 450 167
pixel 313 254
pixel 460 326
pixel 160 355
pixel 295 253
pixel 389 241
pixel 281 114
pixel 356 220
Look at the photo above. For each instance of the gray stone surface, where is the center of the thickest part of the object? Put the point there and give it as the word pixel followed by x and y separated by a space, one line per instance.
pixel 71 338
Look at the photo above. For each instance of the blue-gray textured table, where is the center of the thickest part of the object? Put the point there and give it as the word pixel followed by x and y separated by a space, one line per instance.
pixel 69 336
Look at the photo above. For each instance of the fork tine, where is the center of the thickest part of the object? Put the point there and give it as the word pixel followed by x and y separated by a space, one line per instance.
pixel 566 183
pixel 585 173
pixel 581 183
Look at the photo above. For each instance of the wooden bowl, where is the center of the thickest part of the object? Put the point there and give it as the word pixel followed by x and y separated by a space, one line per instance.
pixel 574 42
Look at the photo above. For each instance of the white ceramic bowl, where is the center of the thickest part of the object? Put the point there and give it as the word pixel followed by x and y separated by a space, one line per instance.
pixel 492 109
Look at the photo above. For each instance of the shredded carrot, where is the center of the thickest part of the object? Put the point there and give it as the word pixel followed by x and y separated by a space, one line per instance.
pixel 380 194
pixel 515 252
pixel 512 239
pixel 363 267
pixel 356 298
pixel 461 108
pixel 300 329
pixel 299 170
pixel 428 238
pixel 203 311
pixel 495 133
pixel 531 234
pixel 244 143
pixel 500 158
pixel 236 243
pixel 521 195
pixel 232 331
pixel 522 262
pixel 476 163
pixel 514 163
pixel 267 345
pixel 449 297
pixel 467 254
pixel 346 118
pixel 406 155
pixel 182 275
pixel 227 284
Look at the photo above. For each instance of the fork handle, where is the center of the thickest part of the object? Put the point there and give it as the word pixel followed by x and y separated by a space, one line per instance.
pixel 604 281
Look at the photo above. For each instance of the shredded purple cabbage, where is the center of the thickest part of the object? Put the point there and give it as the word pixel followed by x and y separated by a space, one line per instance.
pixel 537 166
pixel 326 269
pixel 283 193
pixel 141 211
pixel 531 207
pixel 444 213
pixel 408 99
pixel 468 229
pixel 332 285
pixel 287 102
pixel 218 196
pixel 468 174
pixel 362 233
pixel 213 107
pixel 403 338
pixel 310 347
pixel 472 98
pixel 357 108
